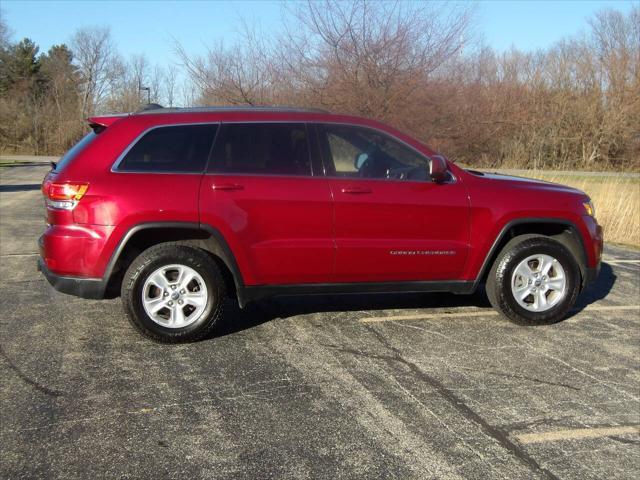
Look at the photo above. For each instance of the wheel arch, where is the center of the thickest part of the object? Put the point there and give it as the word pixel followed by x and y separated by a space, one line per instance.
pixel 203 236
pixel 562 230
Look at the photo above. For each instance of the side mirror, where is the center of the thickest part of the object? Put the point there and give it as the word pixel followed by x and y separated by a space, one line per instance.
pixel 438 169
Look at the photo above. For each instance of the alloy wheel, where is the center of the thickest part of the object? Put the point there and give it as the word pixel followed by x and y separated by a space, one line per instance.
pixel 174 296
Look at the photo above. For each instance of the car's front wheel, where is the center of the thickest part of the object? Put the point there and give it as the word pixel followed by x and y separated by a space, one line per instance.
pixel 173 293
pixel 534 280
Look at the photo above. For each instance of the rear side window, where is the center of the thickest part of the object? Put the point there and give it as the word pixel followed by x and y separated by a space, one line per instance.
pixel 74 151
pixel 183 148
pixel 262 148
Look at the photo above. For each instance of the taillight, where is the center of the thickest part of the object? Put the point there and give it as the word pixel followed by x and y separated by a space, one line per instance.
pixel 65 196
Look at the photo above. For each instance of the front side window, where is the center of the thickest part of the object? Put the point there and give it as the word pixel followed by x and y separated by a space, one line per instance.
pixel 262 148
pixel 183 148
pixel 365 153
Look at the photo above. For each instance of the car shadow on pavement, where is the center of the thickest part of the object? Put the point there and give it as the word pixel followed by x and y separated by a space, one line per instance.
pixel 597 290
pixel 257 313
pixel 20 188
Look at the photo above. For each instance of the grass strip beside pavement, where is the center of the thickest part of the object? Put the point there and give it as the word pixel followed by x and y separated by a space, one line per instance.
pixel 617 202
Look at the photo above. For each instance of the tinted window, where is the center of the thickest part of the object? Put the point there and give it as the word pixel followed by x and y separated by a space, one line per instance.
pixel 261 148
pixel 365 153
pixel 74 151
pixel 171 149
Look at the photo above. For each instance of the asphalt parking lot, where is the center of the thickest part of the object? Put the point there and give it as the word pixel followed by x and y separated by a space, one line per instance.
pixel 408 386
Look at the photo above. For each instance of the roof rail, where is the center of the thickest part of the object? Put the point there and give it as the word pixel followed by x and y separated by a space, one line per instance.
pixel 155 108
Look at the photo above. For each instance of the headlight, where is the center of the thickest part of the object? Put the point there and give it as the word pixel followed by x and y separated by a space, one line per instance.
pixel 589 208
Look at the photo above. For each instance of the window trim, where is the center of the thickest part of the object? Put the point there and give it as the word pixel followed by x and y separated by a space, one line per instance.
pixel 116 165
pixel 312 128
pixel 310 147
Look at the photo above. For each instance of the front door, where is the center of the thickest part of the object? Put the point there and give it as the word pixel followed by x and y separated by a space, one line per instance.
pixel 391 222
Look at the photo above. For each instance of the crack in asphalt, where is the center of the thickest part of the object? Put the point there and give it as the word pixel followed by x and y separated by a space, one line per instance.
pixel 499 435
pixel 547 421
pixel 629 441
pixel 611 385
pixel 523 377
pixel 38 386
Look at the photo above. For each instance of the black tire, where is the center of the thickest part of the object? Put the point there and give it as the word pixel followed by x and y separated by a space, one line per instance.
pixel 166 254
pixel 498 285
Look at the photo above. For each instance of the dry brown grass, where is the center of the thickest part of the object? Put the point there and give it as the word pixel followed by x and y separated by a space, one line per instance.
pixel 617 202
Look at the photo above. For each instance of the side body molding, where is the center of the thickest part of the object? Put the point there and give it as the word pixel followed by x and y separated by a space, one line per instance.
pixel 218 245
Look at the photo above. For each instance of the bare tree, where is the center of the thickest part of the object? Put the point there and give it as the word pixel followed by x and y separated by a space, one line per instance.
pixel 368 57
pixel 155 83
pixel 240 74
pixel 170 85
pixel 362 57
pixel 130 80
pixel 5 32
pixel 94 55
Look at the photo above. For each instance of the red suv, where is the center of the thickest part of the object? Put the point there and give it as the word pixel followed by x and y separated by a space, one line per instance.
pixel 179 208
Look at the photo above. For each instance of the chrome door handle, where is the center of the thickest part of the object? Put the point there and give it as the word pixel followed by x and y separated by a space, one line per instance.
pixel 356 190
pixel 227 186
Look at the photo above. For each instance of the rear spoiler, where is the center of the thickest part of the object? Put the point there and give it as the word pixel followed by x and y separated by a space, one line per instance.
pixel 98 124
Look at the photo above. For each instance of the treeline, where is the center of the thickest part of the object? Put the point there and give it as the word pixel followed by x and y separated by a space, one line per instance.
pixel 46 97
pixel 38 99
pixel 575 105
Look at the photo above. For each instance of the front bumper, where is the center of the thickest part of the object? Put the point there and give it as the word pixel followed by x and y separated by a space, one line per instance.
pixel 591 274
pixel 92 288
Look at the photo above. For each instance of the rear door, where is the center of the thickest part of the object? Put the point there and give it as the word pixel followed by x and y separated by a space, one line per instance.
pixel 260 191
pixel 156 179
pixel 391 222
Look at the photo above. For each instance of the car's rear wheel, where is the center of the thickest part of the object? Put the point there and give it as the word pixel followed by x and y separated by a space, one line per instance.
pixel 534 280
pixel 173 293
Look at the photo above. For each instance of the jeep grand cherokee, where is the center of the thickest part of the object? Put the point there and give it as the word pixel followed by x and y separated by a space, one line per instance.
pixel 177 209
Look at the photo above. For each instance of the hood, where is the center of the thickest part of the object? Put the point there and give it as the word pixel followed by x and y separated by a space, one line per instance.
pixel 523 182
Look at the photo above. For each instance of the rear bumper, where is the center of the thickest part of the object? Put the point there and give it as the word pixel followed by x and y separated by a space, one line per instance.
pixel 80 287
pixel 75 250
